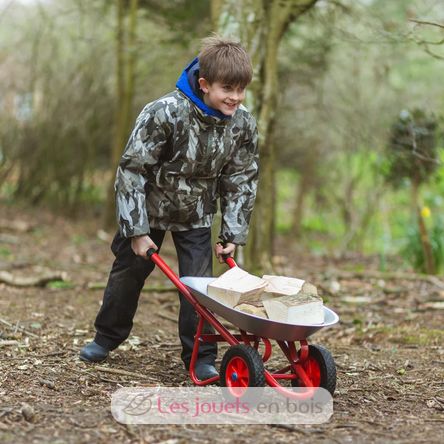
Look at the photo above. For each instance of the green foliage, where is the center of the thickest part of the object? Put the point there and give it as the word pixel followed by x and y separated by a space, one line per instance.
pixel 60 285
pixel 413 250
pixel 78 239
pixel 412 149
pixel 5 252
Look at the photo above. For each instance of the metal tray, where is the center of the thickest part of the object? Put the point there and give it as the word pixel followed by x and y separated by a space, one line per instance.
pixel 251 323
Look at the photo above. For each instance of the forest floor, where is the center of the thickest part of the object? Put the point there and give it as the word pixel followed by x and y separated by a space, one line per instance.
pixel 388 346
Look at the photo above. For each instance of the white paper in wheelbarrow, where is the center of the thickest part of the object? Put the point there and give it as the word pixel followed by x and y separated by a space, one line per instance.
pixel 279 298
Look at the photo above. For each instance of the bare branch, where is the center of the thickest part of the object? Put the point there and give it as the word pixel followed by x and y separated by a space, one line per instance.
pixel 438 43
pixel 435 56
pixel 425 158
pixel 426 48
pixel 423 22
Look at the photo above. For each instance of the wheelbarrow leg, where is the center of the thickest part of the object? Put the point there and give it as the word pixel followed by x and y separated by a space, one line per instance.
pixel 194 354
pixel 289 350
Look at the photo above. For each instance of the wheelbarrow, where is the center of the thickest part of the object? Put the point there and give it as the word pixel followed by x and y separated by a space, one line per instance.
pixel 242 365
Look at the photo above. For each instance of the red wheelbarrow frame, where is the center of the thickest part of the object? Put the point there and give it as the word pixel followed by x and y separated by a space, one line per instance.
pixel 296 358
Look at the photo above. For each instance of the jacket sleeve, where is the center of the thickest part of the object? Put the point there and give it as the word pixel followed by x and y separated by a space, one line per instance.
pixel 143 150
pixel 237 189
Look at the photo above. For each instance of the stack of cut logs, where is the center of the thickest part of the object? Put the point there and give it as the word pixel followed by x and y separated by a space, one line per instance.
pixel 278 298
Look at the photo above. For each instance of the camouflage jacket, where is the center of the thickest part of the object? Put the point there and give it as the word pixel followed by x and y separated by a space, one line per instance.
pixel 181 157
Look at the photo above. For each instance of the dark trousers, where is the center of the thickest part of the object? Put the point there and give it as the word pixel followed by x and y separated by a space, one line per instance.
pixel 127 277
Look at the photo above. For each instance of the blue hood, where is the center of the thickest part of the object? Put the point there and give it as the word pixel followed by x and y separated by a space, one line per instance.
pixel 188 84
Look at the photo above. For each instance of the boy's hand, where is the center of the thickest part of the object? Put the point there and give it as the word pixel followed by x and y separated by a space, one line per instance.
pixel 141 244
pixel 220 250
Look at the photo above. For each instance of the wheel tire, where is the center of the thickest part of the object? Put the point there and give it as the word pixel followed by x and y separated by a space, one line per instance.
pixel 242 367
pixel 320 368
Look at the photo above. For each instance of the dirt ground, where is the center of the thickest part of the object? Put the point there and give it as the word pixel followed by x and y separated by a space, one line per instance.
pixel 388 346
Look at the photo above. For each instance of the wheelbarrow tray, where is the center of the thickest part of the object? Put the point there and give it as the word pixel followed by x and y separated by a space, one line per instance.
pixel 256 325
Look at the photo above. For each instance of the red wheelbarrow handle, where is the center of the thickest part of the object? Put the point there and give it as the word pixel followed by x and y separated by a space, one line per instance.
pixel 229 261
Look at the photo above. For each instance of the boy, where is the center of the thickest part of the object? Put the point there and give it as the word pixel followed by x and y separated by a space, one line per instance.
pixel 187 149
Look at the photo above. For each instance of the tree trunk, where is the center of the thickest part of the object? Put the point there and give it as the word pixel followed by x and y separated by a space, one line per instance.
pixel 423 233
pixel 130 67
pixel 125 79
pixel 298 213
pixel 306 184
pixel 260 26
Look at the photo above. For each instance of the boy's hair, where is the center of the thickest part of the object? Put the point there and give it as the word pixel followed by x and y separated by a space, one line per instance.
pixel 224 60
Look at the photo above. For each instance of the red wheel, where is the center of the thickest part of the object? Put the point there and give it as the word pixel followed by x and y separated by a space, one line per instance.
pixel 313 371
pixel 237 373
pixel 320 368
pixel 241 367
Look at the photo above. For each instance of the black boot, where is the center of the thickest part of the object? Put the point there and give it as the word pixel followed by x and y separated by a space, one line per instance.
pixel 205 371
pixel 93 352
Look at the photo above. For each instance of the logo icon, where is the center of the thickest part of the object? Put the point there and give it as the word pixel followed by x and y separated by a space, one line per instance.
pixel 139 404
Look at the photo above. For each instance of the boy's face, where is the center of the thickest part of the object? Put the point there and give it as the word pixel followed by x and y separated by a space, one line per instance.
pixel 224 98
